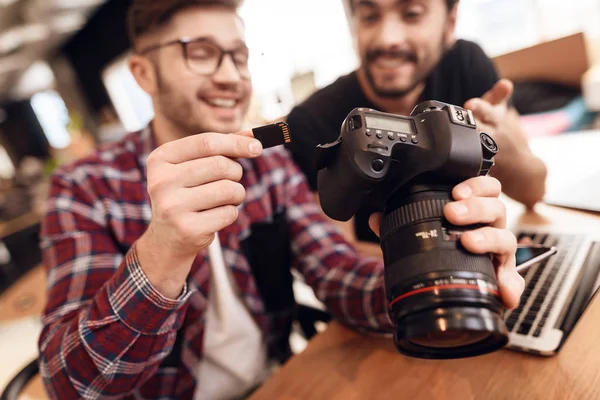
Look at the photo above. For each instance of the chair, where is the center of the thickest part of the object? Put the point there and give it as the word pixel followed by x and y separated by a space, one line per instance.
pixel 18 383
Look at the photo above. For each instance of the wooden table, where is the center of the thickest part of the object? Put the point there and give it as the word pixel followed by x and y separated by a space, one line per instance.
pixel 342 364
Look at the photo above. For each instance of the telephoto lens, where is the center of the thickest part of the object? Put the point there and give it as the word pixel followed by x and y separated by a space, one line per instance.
pixel 443 300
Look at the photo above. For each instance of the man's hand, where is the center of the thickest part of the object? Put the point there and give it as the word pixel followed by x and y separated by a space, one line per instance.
pixel 491 110
pixel 477 203
pixel 194 190
pixel 522 174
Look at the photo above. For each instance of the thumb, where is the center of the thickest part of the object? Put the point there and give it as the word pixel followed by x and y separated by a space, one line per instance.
pixel 375 222
pixel 247 133
pixel 500 93
pixel 473 104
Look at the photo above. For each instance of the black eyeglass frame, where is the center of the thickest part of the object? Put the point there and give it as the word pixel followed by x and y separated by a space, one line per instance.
pixel 185 41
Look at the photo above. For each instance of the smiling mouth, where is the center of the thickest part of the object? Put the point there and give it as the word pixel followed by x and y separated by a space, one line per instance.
pixel 221 103
pixel 391 62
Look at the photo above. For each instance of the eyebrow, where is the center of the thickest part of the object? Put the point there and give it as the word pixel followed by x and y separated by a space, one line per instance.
pixel 236 43
pixel 365 3
pixel 373 4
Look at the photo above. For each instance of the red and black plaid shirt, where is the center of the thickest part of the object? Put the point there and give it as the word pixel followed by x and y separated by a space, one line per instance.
pixel 107 331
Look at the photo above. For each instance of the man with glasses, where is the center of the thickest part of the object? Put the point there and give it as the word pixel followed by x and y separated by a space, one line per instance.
pixel 144 300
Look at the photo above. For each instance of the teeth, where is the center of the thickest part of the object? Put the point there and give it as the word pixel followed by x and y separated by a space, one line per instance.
pixel 225 103
pixel 390 62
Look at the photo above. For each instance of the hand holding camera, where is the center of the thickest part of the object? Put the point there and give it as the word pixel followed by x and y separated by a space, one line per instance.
pixel 476 202
pixel 441 221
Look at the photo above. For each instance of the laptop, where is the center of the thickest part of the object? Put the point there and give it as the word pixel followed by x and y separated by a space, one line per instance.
pixel 583 194
pixel 573 169
pixel 557 291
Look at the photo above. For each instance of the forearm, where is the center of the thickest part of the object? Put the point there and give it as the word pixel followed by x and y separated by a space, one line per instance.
pixel 349 285
pixel 523 178
pixel 522 174
pixel 112 344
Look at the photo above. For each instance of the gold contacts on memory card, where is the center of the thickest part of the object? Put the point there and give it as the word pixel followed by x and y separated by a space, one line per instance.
pixel 273 135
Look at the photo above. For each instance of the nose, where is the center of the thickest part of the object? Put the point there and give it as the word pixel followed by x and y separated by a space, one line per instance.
pixel 227 71
pixel 391 32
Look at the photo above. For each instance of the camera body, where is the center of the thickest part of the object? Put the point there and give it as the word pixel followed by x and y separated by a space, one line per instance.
pixel 443 300
pixel 378 153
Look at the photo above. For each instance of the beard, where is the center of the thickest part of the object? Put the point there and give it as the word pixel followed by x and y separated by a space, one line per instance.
pixel 174 107
pixel 190 115
pixel 424 68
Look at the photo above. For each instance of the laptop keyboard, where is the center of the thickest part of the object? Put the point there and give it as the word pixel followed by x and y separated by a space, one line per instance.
pixel 542 283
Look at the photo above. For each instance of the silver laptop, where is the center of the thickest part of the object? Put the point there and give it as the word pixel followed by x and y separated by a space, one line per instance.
pixel 583 193
pixel 557 291
pixel 573 169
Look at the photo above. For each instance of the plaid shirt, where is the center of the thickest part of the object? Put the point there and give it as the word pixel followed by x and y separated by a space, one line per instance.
pixel 109 333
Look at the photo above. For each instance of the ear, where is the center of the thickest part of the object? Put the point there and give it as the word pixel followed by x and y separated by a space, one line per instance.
pixel 144 72
pixel 450 37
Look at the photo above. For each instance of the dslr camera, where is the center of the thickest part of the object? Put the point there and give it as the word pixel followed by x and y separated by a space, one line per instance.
pixel 443 301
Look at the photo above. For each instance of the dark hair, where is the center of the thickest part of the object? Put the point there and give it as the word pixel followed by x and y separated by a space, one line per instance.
pixel 147 15
pixel 449 3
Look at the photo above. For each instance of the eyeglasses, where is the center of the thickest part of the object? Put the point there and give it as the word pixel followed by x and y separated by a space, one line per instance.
pixel 204 57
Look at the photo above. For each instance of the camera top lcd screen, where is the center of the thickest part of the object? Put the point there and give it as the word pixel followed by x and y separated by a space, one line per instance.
pixel 389 124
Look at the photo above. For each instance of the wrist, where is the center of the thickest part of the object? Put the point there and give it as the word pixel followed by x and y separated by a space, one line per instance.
pixel 166 270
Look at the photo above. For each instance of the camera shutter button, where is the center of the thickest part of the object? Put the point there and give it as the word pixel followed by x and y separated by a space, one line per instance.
pixel 377 164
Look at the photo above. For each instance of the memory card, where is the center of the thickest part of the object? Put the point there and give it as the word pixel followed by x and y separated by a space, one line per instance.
pixel 273 135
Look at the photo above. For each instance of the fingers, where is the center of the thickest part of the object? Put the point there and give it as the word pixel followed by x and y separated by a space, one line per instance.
pixel 206 170
pixel 171 204
pixel 375 222
pixel 207 145
pixel 481 186
pixel 477 202
pixel 525 241
pixel 484 111
pixel 476 210
pixel 490 240
pixel 510 284
pixel 500 92
pixel 210 221
pixel 492 106
pixel 247 133
pixel 503 244
pixel 213 195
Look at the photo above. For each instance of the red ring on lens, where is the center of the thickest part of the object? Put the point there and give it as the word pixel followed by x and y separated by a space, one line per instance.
pixel 442 287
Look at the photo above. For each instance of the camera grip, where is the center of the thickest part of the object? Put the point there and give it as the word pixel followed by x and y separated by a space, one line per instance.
pixel 342 187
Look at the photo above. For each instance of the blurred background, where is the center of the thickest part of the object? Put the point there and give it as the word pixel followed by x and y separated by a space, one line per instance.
pixel 65 85
pixel 65 88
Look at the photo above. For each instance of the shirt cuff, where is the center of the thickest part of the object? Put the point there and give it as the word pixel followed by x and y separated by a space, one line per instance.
pixel 139 305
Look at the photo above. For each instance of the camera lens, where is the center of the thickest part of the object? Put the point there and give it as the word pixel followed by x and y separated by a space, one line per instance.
pixel 443 300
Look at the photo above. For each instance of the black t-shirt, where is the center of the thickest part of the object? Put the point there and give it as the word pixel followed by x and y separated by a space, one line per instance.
pixel 464 72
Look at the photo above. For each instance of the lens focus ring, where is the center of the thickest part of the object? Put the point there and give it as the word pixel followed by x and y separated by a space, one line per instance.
pixel 411 213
